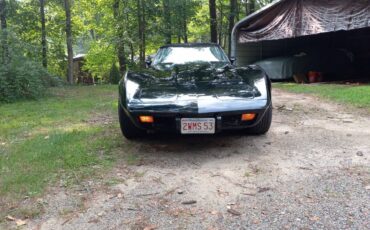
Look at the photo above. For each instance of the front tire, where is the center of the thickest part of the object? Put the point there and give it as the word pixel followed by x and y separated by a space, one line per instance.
pixel 264 125
pixel 129 130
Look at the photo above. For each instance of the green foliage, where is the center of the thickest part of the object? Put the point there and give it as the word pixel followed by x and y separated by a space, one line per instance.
pixel 99 59
pixel 114 75
pixel 104 28
pixel 21 79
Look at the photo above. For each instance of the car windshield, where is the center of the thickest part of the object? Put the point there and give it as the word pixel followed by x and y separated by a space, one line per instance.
pixel 169 56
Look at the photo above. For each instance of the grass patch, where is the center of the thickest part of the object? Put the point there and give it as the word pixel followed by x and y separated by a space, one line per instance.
pixel 247 174
pixel 358 96
pixel 132 159
pixel 60 138
pixel 114 181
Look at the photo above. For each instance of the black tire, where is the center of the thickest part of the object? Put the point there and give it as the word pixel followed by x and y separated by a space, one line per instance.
pixel 264 125
pixel 129 130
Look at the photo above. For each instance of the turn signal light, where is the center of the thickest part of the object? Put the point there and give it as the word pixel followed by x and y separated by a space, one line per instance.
pixel 146 119
pixel 248 116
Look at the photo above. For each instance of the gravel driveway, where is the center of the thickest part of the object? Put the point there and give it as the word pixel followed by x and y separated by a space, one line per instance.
pixel 311 171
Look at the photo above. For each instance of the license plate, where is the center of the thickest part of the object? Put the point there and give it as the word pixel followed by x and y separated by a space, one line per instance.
pixel 198 125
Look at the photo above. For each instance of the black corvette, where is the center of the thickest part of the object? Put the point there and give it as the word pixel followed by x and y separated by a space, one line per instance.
pixel 194 89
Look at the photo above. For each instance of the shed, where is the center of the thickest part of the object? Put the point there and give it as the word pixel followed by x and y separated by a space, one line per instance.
pixel 79 73
pixel 291 36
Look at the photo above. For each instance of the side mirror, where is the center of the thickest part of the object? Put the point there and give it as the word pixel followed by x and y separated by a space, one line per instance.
pixel 232 60
pixel 148 62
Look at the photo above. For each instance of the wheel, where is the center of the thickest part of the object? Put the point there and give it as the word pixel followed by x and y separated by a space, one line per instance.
pixel 129 130
pixel 264 125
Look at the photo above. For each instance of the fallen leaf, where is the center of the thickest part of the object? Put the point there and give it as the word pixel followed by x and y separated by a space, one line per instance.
pixel 305 168
pixel 150 227
pixel 250 192
pixel 189 202
pixel 263 189
pixel 315 218
pixel 20 222
pixel 256 222
pixel 10 218
pixel 234 212
pixel 94 220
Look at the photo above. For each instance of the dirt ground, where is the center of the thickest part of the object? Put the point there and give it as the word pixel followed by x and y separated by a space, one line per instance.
pixel 311 171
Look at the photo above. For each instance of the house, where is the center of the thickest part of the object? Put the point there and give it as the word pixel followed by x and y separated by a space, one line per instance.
pixel 79 74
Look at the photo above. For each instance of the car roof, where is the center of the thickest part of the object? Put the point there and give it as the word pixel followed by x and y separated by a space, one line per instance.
pixel 189 45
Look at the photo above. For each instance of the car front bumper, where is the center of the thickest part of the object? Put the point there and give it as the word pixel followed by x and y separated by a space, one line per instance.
pixel 171 121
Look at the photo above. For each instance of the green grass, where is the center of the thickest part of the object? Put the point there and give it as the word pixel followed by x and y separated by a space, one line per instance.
pixel 358 96
pixel 64 137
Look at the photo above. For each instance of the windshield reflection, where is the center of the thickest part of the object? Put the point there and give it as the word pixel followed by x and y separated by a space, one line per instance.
pixel 168 57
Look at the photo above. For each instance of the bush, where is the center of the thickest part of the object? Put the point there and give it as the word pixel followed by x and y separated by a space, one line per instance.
pixel 114 75
pixel 22 79
pixel 21 74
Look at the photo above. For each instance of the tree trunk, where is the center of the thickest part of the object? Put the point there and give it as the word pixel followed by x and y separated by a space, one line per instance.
pixel 185 26
pixel 185 31
pixel 231 22
pixel 4 33
pixel 121 57
pixel 132 52
pixel 237 11
pixel 220 24
pixel 141 21
pixel 67 7
pixel 167 21
pixel 43 34
pixel 92 34
pixel 250 7
pixel 143 33
pixel 3 14
pixel 213 17
pixel 120 44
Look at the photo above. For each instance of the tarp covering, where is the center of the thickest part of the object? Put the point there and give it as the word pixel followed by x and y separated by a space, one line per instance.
pixel 294 18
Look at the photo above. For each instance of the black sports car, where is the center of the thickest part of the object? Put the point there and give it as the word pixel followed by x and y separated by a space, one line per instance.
pixel 194 89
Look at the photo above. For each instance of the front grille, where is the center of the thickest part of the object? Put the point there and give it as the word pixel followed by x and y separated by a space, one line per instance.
pixel 231 121
pixel 164 123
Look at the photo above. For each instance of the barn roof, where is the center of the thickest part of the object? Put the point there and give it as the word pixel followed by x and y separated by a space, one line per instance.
pixel 294 18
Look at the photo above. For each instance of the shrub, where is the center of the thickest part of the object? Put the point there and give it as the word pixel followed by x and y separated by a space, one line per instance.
pixel 21 75
pixel 22 79
pixel 114 75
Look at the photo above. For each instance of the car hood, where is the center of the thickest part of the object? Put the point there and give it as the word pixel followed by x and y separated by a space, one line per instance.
pixel 201 89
